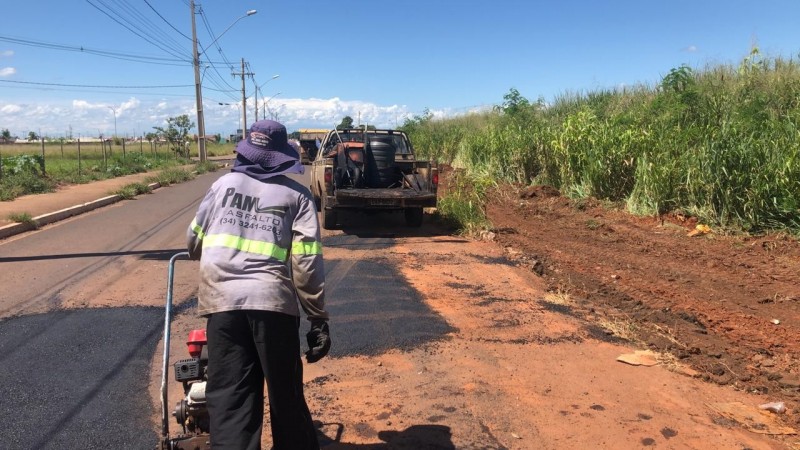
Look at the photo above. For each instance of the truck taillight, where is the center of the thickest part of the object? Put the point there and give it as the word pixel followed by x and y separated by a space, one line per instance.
pixel 197 339
pixel 328 175
pixel 435 178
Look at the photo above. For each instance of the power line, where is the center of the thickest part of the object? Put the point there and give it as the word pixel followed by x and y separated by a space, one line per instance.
pixel 144 24
pixel 95 91
pixel 166 21
pixel 167 50
pixel 219 49
pixel 150 59
pixel 96 86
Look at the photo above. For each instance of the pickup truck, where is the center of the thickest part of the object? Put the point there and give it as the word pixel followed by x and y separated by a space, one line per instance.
pixel 309 139
pixel 371 170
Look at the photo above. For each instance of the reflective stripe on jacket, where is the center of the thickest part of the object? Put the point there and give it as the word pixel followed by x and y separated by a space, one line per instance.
pixel 259 247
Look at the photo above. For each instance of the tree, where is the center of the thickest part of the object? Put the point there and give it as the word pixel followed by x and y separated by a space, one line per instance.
pixel 514 103
pixel 347 123
pixel 32 136
pixel 176 134
pixel 5 135
pixel 412 124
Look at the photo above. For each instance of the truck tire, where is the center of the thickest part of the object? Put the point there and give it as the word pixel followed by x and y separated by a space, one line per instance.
pixel 413 217
pixel 328 215
pixel 316 202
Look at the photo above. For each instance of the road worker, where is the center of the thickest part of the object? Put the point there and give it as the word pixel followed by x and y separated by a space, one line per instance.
pixel 257 237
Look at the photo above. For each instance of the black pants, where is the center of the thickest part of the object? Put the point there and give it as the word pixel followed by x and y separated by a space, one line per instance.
pixel 244 348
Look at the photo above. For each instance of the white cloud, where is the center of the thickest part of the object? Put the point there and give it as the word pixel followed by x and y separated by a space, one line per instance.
pixel 134 115
pixel 132 103
pixel 7 71
pixel 10 109
pixel 690 49
pixel 81 104
pixel 6 53
pixel 326 113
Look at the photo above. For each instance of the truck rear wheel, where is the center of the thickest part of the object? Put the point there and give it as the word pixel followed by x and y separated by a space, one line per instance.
pixel 413 217
pixel 328 215
pixel 316 202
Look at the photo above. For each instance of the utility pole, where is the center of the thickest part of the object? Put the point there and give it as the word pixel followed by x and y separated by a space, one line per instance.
pixel 243 74
pixel 201 126
pixel 255 93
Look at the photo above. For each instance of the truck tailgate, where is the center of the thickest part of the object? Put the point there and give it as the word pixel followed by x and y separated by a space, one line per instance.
pixel 384 198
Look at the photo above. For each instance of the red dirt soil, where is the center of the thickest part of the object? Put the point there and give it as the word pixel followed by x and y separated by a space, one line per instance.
pixel 726 306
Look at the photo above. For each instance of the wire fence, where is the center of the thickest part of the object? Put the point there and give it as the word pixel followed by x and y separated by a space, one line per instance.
pixel 76 159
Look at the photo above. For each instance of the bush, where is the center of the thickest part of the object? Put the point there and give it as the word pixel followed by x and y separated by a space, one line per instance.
pixel 23 183
pixel 462 205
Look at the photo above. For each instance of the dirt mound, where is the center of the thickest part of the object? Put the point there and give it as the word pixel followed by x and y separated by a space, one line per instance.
pixel 727 306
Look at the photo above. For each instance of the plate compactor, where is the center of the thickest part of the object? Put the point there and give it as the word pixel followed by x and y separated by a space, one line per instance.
pixel 191 412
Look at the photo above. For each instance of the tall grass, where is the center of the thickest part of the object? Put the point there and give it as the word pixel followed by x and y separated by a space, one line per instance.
pixel 720 143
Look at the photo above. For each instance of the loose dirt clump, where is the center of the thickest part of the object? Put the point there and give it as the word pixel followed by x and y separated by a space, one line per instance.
pixel 728 306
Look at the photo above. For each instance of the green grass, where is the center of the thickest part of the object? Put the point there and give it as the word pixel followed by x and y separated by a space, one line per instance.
pixel 25 171
pixel 720 143
pixel 205 167
pixel 462 205
pixel 23 218
pixel 171 176
pixel 132 190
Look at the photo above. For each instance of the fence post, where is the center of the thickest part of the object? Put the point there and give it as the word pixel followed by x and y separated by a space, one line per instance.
pixel 103 146
pixel 1 165
pixel 44 172
pixel 141 145
pixel 79 156
pixel 123 149
pixel 62 147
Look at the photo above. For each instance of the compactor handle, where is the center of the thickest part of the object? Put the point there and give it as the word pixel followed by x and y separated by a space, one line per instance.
pixel 165 365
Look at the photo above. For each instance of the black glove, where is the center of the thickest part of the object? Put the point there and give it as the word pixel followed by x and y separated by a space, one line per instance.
pixel 319 341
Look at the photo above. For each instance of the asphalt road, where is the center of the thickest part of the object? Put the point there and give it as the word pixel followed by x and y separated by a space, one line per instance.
pixel 74 370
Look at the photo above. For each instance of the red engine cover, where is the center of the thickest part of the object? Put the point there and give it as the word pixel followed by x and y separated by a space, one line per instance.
pixel 197 339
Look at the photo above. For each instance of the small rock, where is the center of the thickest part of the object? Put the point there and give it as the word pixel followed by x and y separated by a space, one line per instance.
pixel 724 379
pixel 774 376
pixel 718 370
pixel 776 407
pixel 775 321
pixel 790 382
pixel 488 235
pixel 516 436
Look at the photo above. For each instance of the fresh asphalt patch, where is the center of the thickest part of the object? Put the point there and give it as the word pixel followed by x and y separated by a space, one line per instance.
pixel 78 378
pixel 373 309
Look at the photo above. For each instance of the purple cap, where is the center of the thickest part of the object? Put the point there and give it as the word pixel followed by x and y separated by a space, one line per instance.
pixel 267 145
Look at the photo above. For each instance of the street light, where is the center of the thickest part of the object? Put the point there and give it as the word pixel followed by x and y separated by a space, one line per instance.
pixel 115 119
pixel 258 88
pixel 239 107
pixel 248 13
pixel 267 108
pixel 201 126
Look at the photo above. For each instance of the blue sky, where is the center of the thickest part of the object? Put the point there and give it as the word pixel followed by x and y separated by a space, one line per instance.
pixel 376 61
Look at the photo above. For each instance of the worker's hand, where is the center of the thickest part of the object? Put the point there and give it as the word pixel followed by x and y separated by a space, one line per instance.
pixel 319 341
